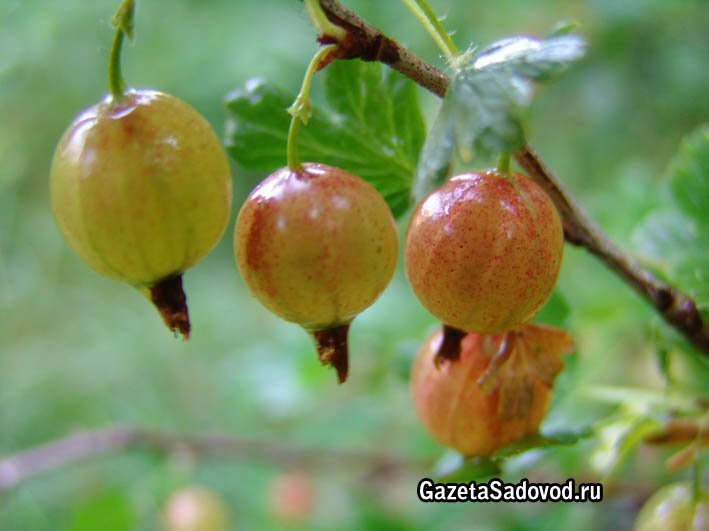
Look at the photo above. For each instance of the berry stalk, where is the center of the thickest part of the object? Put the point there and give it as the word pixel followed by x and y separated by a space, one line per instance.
pixel 328 30
pixel 122 21
pixel 503 164
pixel 425 15
pixel 301 109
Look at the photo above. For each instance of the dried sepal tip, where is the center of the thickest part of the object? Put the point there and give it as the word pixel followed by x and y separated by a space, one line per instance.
pixel 332 348
pixel 170 300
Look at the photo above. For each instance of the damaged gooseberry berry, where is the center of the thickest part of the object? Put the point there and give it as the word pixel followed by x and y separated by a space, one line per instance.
pixel 316 246
pixel 483 251
pixel 497 392
pixel 141 190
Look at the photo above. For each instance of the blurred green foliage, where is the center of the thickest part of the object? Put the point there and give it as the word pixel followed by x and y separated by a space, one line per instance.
pixel 79 351
pixel 675 237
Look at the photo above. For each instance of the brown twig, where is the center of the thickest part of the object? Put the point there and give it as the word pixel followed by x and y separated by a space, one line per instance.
pixel 89 444
pixel 365 42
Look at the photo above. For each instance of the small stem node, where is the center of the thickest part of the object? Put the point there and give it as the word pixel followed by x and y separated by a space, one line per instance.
pixel 301 109
pixel 332 31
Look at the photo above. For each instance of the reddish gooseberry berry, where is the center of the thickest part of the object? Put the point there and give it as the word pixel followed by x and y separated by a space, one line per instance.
pixel 483 251
pixel 316 246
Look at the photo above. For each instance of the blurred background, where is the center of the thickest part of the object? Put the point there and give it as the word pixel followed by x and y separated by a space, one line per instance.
pixel 78 351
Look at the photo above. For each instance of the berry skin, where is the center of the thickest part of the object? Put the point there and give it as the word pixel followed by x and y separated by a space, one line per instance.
pixel 141 190
pixel 672 508
pixel 316 246
pixel 483 251
pixel 195 508
pixel 498 390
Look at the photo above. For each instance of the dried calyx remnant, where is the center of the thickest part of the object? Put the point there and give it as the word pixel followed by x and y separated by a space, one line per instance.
pixel 332 349
pixel 170 300
pixel 450 345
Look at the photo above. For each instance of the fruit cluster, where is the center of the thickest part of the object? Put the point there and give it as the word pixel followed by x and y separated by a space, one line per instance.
pixel 141 190
pixel 482 254
pixel 483 251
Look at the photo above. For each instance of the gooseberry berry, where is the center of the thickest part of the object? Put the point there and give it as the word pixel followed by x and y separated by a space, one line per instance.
pixel 483 251
pixel 141 190
pixel 674 508
pixel 195 508
pixel 496 393
pixel 291 497
pixel 316 246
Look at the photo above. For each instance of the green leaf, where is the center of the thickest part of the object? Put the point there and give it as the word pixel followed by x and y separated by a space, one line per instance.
pixel 453 467
pixel 436 157
pixel 257 126
pixel 565 27
pixel 674 240
pixel 640 399
pixel 689 176
pixel 677 248
pixel 682 368
pixel 539 441
pixel 532 59
pixel 481 114
pixel 372 127
pixel 662 355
